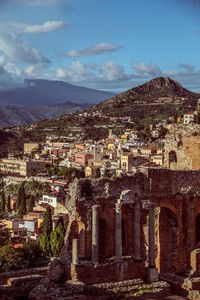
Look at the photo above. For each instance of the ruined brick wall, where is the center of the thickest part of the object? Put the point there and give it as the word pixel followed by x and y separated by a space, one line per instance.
pixel 176 193
pixel 84 194
pixel 108 272
pixel 183 141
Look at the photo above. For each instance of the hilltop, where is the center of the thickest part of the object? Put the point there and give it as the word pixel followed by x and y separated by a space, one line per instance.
pixel 151 91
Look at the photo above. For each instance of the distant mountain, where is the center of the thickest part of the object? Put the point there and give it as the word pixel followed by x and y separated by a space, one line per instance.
pixel 38 92
pixel 150 91
pixel 18 115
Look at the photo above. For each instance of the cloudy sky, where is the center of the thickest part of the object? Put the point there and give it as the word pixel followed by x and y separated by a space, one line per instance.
pixel 103 44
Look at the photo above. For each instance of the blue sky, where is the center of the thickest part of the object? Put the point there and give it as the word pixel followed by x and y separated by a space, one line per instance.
pixel 103 44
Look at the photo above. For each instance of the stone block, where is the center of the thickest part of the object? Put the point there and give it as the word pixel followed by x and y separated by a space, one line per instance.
pixel 152 274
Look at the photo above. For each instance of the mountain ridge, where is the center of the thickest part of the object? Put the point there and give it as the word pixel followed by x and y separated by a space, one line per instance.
pixel 11 115
pixel 37 92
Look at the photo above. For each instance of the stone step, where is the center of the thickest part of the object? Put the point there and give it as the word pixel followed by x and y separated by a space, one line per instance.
pixel 184 286
pixel 20 281
pixel 129 288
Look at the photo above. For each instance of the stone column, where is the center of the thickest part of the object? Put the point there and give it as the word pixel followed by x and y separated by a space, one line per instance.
pixel 118 232
pixel 152 272
pixel 75 252
pixel 95 234
pixel 137 246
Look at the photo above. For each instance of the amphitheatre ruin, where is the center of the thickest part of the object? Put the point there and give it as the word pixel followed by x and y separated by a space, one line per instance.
pixel 140 231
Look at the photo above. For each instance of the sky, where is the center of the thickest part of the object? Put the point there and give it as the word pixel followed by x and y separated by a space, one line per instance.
pixel 109 45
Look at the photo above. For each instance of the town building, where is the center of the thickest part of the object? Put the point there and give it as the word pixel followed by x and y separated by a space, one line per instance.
pixel 21 167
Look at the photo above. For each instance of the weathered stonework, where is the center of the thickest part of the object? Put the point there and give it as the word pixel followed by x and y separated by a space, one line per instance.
pixel 182 147
pixel 111 214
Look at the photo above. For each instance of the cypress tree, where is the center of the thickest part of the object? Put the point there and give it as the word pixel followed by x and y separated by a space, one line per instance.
pixel 19 196
pixel 3 201
pixel 57 240
pixel 22 208
pixel 31 203
pixel 44 238
pixel 8 204
pixel 47 221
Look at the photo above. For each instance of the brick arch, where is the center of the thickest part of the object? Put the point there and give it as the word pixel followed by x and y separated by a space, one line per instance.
pixel 172 158
pixel 76 230
pixel 167 205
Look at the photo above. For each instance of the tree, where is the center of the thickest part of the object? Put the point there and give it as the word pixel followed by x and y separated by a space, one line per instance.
pixel 57 240
pixel 44 242
pixel 107 173
pixel 4 234
pixel 8 204
pixel 3 202
pixel 71 173
pixel 44 239
pixel 21 200
pixel 31 252
pixel 19 196
pixel 11 259
pixel 47 221
pixel 31 203
pixel 98 173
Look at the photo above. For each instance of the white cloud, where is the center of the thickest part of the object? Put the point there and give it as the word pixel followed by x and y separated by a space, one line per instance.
pixel 48 26
pixel 19 50
pixel 143 69
pixel 187 67
pixel 112 71
pixel 9 75
pixel 93 50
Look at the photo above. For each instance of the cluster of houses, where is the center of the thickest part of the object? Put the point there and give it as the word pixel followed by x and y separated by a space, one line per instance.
pixel 124 154
pixel 28 227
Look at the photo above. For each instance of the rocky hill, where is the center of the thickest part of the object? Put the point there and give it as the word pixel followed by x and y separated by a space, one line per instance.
pixel 151 91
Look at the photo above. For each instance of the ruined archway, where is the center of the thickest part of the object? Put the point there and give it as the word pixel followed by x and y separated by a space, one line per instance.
pixel 167 240
pixel 172 160
pixel 76 230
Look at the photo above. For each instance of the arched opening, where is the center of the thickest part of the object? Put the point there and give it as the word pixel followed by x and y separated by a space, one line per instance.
pixel 167 240
pixel 102 238
pixel 76 230
pixel 172 160
pixel 198 228
pixel 73 234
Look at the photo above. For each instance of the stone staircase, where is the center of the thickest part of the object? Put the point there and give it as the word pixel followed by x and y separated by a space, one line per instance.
pixel 188 287
pixel 128 289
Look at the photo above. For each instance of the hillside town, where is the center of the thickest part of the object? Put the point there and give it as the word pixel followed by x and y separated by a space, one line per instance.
pixel 56 164
pixel 66 190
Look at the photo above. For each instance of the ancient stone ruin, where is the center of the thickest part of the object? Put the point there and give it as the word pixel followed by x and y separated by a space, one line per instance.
pixel 182 147
pixel 107 241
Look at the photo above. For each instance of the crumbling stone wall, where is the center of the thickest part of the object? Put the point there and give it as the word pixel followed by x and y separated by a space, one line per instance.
pixel 177 194
pixel 84 194
pixel 182 147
